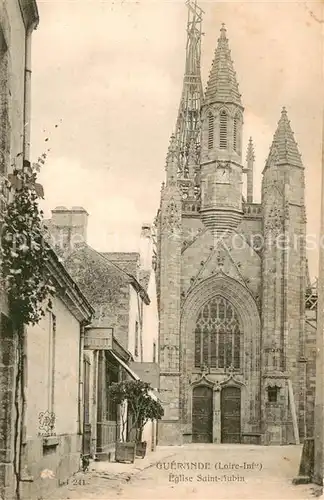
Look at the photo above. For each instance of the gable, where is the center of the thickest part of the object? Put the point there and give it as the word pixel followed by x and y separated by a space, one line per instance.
pixel 231 256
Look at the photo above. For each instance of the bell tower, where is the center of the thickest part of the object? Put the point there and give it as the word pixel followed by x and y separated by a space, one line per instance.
pixel 221 144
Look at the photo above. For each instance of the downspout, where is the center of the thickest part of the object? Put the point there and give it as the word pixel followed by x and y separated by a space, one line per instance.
pixel 94 416
pixel 141 329
pixel 27 93
pixel 80 384
pixel 26 156
pixel 140 314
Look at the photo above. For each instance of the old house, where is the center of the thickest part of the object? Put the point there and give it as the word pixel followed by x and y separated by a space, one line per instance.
pixel 53 424
pixel 18 19
pixel 124 330
pixel 235 349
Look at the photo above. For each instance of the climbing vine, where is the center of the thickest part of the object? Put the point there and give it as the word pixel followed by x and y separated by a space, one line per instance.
pixel 25 275
pixel 24 251
pixel 24 256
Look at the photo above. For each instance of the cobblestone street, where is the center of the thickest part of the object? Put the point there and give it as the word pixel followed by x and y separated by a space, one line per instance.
pixel 229 471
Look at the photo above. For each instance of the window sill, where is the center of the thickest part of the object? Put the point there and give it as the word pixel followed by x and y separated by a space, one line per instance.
pixel 50 441
pixel 217 371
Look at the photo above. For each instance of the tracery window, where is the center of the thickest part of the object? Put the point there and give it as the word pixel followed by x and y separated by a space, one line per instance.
pixel 223 130
pixel 217 335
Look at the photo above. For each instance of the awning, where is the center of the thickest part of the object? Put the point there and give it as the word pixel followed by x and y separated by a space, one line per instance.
pixel 131 373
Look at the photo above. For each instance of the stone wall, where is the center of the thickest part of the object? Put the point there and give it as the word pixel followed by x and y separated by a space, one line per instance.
pixel 53 374
pixel 8 364
pixel 169 339
pixel 283 301
pixel 310 351
pixel 51 465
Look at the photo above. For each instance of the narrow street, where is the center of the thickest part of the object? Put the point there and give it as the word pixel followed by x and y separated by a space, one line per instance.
pixel 195 471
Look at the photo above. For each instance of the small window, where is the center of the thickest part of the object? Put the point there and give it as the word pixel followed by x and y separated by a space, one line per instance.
pixel 154 352
pixel 273 394
pixel 111 377
pixel 136 339
pixel 210 131
pixel 223 130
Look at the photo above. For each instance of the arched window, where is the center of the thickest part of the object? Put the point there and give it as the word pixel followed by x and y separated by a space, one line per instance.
pixel 217 335
pixel 273 393
pixel 223 130
pixel 210 131
pixel 236 134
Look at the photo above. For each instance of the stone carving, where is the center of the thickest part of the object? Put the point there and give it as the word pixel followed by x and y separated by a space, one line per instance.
pixel 169 355
pixel 274 221
pixel 230 371
pixel 223 170
pixel 204 370
pixel 286 210
pixel 192 238
pixel 220 259
pixel 172 217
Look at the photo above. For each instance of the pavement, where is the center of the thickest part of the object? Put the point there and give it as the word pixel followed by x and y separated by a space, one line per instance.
pixel 107 476
pixel 221 472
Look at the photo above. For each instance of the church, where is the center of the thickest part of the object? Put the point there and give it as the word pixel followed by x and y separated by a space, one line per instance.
pixel 236 342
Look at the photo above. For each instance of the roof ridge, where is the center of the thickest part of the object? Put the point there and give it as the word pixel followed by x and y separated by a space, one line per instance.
pixel 130 276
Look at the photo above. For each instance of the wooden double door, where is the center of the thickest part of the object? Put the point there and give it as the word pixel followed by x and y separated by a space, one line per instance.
pixel 202 415
pixel 231 415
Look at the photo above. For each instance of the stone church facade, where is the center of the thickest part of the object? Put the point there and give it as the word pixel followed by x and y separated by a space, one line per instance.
pixel 231 273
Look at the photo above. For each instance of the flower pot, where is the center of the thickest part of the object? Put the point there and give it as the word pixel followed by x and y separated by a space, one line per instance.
pixel 125 452
pixel 141 449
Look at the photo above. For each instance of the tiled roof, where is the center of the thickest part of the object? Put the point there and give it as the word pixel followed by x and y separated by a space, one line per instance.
pixel 100 279
pixel 127 261
pixel 222 84
pixel 284 149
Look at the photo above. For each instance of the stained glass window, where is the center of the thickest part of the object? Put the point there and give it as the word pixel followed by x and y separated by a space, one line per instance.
pixel 217 335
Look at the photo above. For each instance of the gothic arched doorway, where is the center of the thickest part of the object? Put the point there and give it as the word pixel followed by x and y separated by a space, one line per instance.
pixel 231 414
pixel 202 414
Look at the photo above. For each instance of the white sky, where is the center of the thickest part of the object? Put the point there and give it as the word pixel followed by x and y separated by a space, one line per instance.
pixel 110 74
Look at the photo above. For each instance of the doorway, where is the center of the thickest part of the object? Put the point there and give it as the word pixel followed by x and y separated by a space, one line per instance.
pixel 231 415
pixel 202 414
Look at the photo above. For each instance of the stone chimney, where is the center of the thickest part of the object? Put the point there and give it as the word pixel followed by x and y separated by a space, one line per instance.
pixel 68 227
pixel 146 246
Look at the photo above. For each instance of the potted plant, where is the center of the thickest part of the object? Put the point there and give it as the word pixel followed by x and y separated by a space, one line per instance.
pixel 125 449
pixel 135 401
pixel 151 410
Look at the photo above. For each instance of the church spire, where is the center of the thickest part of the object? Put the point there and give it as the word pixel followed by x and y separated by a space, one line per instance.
pixel 188 121
pixel 222 84
pixel 284 149
pixel 250 157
